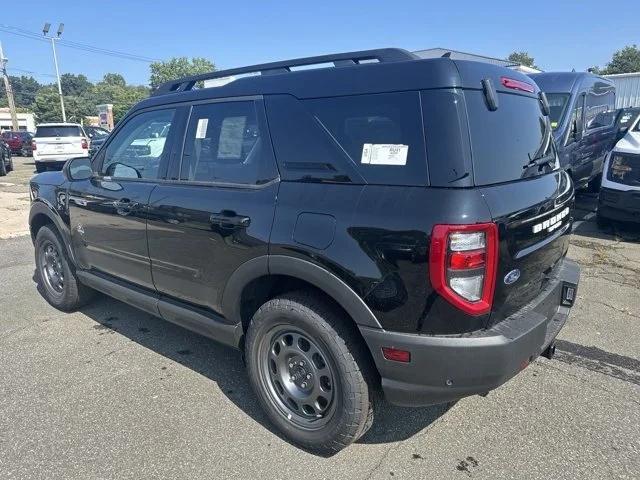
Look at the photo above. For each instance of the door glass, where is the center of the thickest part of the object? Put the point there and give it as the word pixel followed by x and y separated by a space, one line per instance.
pixel 224 144
pixel 575 126
pixel 139 148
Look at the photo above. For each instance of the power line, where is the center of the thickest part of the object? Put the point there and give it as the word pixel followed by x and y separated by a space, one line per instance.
pixel 76 45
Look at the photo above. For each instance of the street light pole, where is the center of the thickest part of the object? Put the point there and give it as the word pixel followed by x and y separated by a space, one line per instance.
pixel 45 30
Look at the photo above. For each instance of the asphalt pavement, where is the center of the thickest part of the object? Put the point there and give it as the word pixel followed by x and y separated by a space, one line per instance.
pixel 110 392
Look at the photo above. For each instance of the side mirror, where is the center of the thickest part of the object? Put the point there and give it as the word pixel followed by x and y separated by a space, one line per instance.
pixel 78 168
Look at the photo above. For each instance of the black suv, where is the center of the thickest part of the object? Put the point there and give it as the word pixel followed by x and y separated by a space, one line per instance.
pixel 385 222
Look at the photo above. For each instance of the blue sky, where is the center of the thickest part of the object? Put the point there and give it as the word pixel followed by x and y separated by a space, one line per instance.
pixel 560 34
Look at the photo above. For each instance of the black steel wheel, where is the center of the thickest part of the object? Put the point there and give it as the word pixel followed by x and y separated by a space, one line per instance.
pixel 298 376
pixel 50 264
pixel 311 371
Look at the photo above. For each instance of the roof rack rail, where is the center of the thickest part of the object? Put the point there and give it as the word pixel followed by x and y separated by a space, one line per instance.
pixel 382 55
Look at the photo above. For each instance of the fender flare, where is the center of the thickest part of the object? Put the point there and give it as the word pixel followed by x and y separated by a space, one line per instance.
pixel 301 269
pixel 43 207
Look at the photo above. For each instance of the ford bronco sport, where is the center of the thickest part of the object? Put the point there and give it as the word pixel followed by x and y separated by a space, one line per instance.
pixel 383 222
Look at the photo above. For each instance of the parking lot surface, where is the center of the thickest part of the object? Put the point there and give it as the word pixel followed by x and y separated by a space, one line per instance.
pixel 111 392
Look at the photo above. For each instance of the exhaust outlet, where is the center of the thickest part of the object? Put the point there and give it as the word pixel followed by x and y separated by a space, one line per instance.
pixel 550 351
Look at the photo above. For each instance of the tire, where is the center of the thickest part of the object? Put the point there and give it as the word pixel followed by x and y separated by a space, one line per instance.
pixel 3 167
pixel 342 373
pixel 55 276
pixel 23 152
pixel 40 167
pixel 10 167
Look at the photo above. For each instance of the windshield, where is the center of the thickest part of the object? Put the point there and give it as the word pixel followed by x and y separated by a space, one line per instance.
pixel 58 131
pixel 557 105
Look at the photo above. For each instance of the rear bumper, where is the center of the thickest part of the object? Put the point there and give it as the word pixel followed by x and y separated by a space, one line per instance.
pixel 619 205
pixel 443 369
pixel 55 158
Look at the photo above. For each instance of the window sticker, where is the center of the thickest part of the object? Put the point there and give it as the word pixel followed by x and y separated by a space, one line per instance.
pixel 232 138
pixel 201 130
pixel 384 154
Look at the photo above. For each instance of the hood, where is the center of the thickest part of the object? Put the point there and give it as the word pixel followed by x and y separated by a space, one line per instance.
pixel 630 143
pixel 49 178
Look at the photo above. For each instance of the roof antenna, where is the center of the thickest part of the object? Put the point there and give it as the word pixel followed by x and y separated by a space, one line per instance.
pixel 446 55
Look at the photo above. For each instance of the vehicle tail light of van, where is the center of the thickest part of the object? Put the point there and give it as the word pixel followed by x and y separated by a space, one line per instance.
pixel 33 145
pixel 84 144
pixel 463 263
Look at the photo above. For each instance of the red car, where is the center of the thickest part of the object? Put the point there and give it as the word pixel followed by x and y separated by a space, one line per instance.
pixel 19 142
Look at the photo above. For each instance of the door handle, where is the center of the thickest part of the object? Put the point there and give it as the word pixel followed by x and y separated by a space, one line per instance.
pixel 229 219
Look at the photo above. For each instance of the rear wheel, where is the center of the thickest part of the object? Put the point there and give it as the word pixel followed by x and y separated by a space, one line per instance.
pixel 57 281
pixel 10 167
pixel 310 371
pixel 3 167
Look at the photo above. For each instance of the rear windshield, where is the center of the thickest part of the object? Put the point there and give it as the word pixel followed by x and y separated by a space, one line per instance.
pixel 510 143
pixel 60 131
pixel 557 106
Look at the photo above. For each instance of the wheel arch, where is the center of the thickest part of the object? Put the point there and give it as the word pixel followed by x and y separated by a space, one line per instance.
pixel 42 214
pixel 262 278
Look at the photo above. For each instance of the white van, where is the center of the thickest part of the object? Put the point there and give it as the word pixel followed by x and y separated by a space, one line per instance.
pixel 55 143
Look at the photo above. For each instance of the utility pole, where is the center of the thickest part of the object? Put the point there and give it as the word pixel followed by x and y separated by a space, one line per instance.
pixel 7 88
pixel 45 30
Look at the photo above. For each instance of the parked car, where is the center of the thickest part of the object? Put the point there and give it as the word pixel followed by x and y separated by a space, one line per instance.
pixel 19 142
pixel 97 136
pixel 6 162
pixel 619 197
pixel 389 223
pixel 583 117
pixel 55 143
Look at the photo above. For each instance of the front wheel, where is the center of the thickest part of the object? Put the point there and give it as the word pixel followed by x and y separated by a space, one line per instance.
pixel 56 278
pixel 310 371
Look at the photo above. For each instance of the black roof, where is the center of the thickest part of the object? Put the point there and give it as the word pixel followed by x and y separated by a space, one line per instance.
pixel 354 73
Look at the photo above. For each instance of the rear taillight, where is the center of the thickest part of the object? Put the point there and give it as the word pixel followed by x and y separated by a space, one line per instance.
pixel 33 145
pixel 84 143
pixel 462 265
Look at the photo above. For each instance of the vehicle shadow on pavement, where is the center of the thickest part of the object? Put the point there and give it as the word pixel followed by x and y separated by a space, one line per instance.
pixel 225 367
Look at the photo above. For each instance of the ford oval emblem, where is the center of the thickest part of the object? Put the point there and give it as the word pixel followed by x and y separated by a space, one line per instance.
pixel 512 277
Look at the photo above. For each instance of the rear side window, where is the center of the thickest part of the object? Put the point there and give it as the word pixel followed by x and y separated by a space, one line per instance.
pixel 58 131
pixel 381 133
pixel 504 142
pixel 224 143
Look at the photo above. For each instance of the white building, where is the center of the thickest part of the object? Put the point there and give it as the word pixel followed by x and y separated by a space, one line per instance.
pixel 26 121
pixel 627 89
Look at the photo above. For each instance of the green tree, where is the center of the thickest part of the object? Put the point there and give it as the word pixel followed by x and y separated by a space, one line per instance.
pixel 74 84
pixel 626 60
pixel 47 105
pixel 114 79
pixel 522 58
pixel 178 67
pixel 24 91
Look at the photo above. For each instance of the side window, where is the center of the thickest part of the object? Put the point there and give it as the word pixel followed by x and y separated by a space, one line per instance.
pixel 224 144
pixel 382 134
pixel 600 110
pixel 140 146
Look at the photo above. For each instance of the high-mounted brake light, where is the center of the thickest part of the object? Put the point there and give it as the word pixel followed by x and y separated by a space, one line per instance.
pixel 33 145
pixel 463 263
pixel 517 84
pixel 84 144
